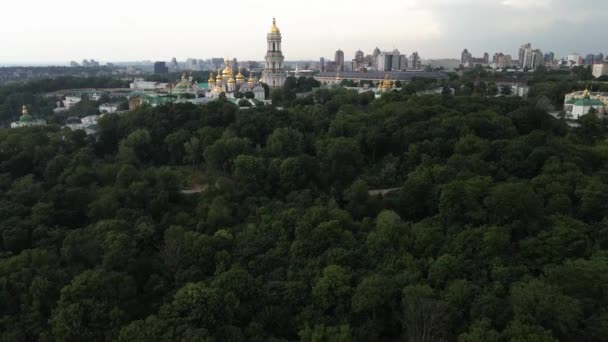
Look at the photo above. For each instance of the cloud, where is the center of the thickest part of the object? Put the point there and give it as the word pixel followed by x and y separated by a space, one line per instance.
pixel 527 4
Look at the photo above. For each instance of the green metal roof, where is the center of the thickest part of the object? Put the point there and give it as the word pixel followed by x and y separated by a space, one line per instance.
pixel 589 102
pixel 26 118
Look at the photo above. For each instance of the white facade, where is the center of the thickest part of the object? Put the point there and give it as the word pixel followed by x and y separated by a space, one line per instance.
pixel 71 101
pixel 274 74
pixel 600 70
pixel 579 110
pixel 87 124
pixel 108 108
pixel 140 84
pixel 532 58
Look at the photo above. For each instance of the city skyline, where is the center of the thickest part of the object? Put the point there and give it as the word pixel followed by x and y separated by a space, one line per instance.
pixel 62 30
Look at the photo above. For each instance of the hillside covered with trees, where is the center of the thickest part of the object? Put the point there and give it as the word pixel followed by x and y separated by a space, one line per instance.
pixel 498 231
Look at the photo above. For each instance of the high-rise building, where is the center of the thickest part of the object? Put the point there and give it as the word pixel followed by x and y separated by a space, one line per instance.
pixel 599 58
pixel 532 58
pixel 589 59
pixel 465 57
pixel 339 59
pixel 322 64
pixel 391 61
pixel 522 53
pixel 402 62
pixel 274 75
pixel 359 61
pixel 575 59
pixel 549 58
pixel 161 68
pixel 486 58
pixel 173 66
pixel 496 58
pixel 505 61
pixel 600 69
pixel 415 62
pixel 375 55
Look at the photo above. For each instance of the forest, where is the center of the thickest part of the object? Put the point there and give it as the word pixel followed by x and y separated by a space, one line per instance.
pixel 210 223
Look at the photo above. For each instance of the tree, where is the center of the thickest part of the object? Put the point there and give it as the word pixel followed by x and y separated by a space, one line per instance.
pixel 332 292
pixel 93 306
pixel 425 319
pixel 193 151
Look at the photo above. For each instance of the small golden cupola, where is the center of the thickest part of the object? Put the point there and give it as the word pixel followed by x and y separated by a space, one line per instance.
pixel 586 94
pixel 228 70
pixel 251 79
pixel 274 28
pixel 24 110
pixel 239 77
pixel 211 79
pixel 219 77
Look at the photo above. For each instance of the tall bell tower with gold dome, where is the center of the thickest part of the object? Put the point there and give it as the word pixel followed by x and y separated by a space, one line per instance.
pixel 274 74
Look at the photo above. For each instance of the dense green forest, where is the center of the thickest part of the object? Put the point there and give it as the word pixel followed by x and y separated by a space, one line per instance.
pixel 498 231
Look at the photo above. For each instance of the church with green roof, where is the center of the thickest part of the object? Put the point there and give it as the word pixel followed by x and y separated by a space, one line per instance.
pixel 26 120
pixel 577 106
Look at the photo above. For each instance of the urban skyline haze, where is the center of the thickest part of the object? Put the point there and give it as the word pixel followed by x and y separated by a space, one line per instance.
pixel 62 30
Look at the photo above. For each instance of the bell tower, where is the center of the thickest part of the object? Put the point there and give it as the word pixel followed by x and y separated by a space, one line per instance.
pixel 274 73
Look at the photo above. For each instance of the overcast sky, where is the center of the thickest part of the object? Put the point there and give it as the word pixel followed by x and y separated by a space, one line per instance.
pixel 33 31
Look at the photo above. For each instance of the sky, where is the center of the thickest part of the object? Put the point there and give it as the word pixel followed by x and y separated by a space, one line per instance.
pixel 57 31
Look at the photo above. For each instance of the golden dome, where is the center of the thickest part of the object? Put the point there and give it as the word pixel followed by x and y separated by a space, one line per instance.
pixel 274 28
pixel 219 75
pixel 586 94
pixel 251 79
pixel 24 110
pixel 227 70
pixel 240 76
pixel 211 79
pixel 231 80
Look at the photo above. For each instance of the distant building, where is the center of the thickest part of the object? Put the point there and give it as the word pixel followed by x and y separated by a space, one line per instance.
pixel 376 76
pixel 87 124
pixel 549 58
pixel 589 59
pixel 161 68
pixel 359 61
pixel 26 120
pixel 375 55
pixel 391 61
pixel 466 57
pixel 173 66
pixel 532 58
pixel 600 69
pixel 140 84
pixel 109 108
pixel 574 60
pixel 331 66
pixel 599 58
pixel 505 62
pixel 522 53
pixel 339 59
pixel 71 101
pixel 415 63
pixel 580 103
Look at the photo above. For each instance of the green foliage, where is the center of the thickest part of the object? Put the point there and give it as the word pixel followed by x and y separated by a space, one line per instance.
pixel 340 217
